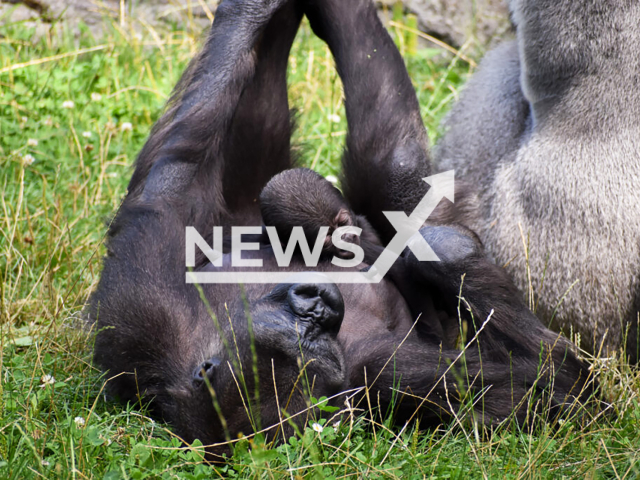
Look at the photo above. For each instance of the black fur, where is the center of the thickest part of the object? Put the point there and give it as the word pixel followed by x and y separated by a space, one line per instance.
pixel 225 134
pixel 300 197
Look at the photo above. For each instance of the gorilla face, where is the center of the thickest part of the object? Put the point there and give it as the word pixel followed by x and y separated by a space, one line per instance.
pixel 293 331
pixel 299 323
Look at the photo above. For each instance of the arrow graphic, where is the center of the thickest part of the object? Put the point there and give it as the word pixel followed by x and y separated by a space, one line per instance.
pixel 442 186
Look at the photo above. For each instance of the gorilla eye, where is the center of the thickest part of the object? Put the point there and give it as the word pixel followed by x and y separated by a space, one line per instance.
pixel 206 368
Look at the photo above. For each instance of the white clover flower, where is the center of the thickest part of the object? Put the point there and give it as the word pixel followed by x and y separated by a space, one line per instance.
pixel 24 119
pixel 96 97
pixel 68 104
pixel 28 160
pixel 317 427
pixel 336 425
pixel 47 380
pixel 126 127
pixel 45 463
pixel 86 134
pixel 334 118
pixel 79 421
pixel 332 179
pixel 32 142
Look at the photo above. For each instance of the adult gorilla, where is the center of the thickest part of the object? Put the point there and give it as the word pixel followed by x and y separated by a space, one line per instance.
pixel 548 132
pixel 259 351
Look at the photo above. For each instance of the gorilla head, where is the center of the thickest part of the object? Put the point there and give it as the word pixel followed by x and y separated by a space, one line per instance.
pixel 295 327
pixel 300 197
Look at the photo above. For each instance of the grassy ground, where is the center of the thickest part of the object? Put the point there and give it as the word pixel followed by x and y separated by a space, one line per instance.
pixel 71 124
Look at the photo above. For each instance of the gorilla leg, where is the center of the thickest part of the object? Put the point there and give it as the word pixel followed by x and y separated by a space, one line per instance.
pixel 386 152
pixel 385 161
pixel 258 144
pixel 153 328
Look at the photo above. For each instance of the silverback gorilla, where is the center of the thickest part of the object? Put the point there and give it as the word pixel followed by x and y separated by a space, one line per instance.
pixel 548 131
pixel 218 360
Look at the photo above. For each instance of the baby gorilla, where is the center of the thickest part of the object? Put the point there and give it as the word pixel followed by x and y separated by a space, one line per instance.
pixel 302 197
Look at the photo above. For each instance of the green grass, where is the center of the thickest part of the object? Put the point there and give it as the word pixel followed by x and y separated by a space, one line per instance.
pixel 63 173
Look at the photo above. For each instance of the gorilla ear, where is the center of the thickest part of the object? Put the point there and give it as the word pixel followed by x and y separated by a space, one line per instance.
pixel 206 369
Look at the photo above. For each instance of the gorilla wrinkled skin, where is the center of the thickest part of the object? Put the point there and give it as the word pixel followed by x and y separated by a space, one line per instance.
pixel 218 360
pixel 548 131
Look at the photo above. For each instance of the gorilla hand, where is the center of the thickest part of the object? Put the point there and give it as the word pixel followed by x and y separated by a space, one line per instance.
pixel 456 247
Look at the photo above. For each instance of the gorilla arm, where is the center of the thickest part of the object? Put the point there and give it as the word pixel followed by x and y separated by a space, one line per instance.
pixel 507 351
pixel 386 153
pixel 152 328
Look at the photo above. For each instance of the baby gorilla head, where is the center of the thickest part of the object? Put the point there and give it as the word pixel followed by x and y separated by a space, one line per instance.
pixel 302 197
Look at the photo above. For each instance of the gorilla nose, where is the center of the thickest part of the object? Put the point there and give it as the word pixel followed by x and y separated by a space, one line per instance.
pixel 320 303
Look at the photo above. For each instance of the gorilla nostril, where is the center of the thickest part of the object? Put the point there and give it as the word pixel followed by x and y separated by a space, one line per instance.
pixel 320 303
pixel 306 291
